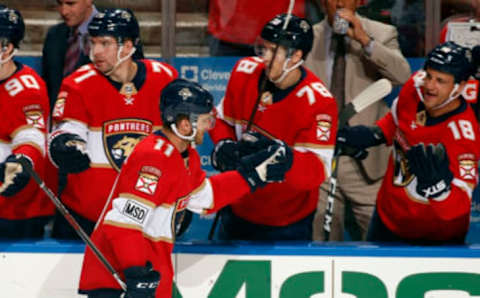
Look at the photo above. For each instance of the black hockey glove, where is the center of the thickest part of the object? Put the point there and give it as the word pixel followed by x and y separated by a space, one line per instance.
pixel 142 281
pixel 354 140
pixel 253 142
pixel 68 152
pixel 225 155
pixel 430 165
pixel 13 176
pixel 265 166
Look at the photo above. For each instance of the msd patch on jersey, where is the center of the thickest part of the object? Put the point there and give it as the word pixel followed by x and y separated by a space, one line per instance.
pixel 324 124
pixel 467 166
pixel 135 211
pixel 121 136
pixel 34 116
pixel 147 182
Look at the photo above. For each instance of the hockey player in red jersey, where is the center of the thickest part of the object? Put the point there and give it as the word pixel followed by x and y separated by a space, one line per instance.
pixel 24 208
pixel 159 181
pixel 426 192
pixel 294 107
pixel 102 111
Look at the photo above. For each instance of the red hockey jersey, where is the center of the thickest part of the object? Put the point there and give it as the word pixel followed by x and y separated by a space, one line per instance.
pixel 112 122
pixel 154 185
pixel 306 119
pixel 24 106
pixel 404 211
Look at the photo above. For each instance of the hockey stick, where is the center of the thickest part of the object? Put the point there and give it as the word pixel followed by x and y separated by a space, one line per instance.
pixel 261 90
pixel 64 211
pixel 368 96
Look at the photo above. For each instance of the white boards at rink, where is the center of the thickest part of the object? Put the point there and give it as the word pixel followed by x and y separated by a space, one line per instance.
pixel 278 270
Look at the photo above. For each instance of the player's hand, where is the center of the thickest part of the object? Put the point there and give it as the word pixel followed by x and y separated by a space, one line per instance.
pixel 265 166
pixel 13 176
pixel 253 142
pixel 354 140
pixel 68 152
pixel 355 30
pixel 142 281
pixel 225 155
pixel 430 165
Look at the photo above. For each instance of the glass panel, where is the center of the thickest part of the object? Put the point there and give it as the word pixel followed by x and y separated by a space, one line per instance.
pixel 458 18
pixel 409 18
pixel 234 25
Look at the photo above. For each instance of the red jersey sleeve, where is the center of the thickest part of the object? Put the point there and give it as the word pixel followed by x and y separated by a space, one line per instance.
pixel 388 127
pixel 27 116
pixel 69 104
pixel 211 194
pixel 226 110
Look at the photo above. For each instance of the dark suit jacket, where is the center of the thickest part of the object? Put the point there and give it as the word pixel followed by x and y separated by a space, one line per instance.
pixel 54 49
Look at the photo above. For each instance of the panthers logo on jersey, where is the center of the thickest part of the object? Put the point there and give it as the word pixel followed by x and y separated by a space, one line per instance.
pixel 120 137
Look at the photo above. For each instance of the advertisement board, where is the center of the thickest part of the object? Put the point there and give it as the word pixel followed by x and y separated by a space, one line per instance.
pixel 246 270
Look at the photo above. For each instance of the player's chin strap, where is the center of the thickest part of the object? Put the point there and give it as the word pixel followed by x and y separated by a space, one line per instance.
pixel 120 60
pixel 186 138
pixel 451 97
pixel 191 137
pixel 3 61
pixel 287 70
pixel 418 80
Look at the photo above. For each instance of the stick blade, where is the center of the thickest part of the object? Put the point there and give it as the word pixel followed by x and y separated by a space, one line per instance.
pixel 371 94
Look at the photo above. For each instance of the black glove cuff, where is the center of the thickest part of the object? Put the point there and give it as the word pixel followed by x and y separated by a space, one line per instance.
pixel 225 155
pixel 20 180
pixel 67 157
pixel 251 177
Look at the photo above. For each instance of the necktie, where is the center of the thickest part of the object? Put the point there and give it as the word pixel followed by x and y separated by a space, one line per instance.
pixel 72 54
pixel 86 45
pixel 337 86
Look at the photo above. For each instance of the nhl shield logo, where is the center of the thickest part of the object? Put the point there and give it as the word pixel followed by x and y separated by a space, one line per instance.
pixel 120 138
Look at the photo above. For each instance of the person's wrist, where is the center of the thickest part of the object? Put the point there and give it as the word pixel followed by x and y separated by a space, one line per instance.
pixel 364 39
pixel 368 46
